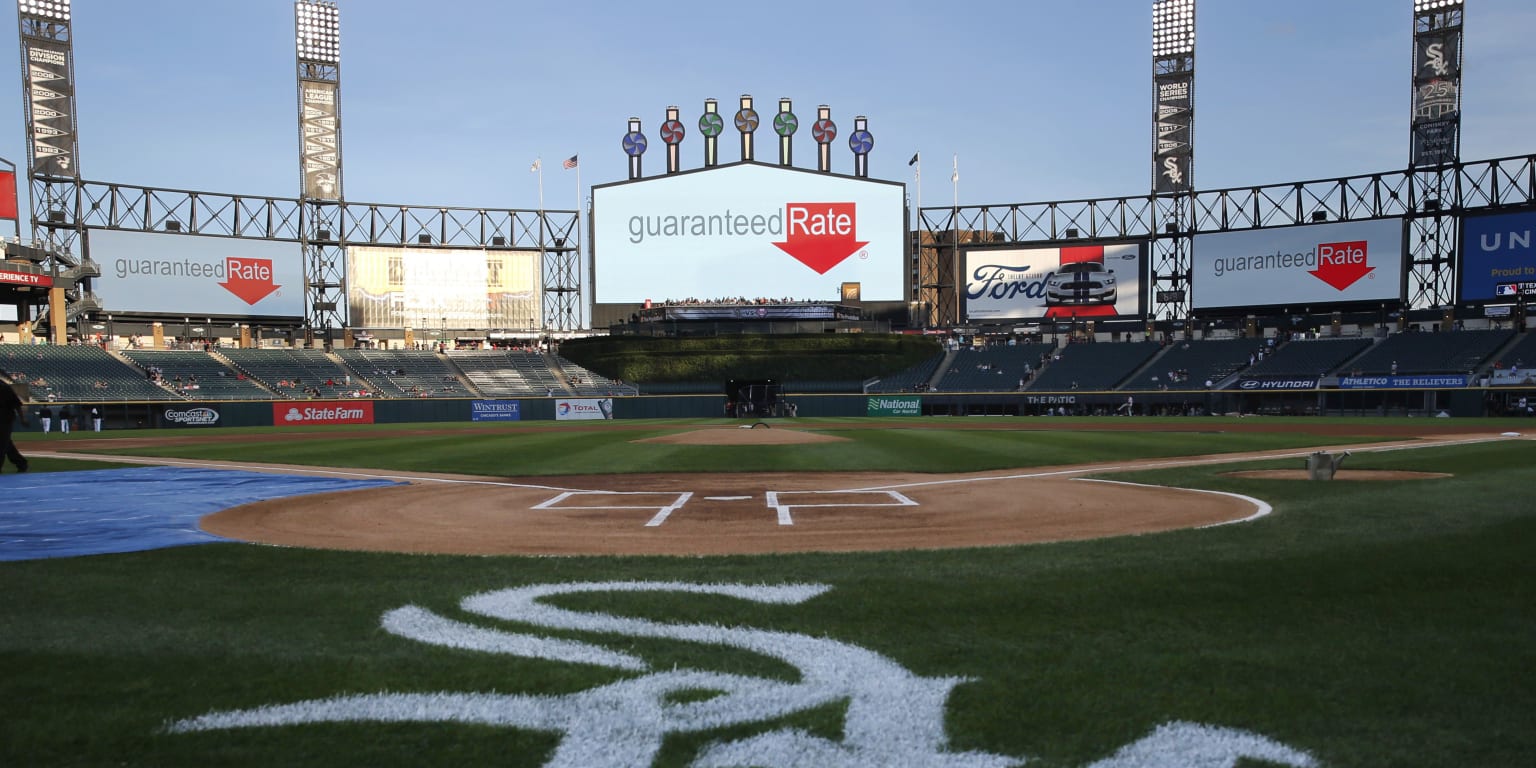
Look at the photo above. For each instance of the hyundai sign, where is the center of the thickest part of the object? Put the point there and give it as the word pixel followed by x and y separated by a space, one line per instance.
pixel 1094 281
pixel 1299 266
pixel 747 230
pixel 1498 256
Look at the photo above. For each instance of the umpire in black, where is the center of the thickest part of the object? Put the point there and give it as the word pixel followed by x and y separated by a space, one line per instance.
pixel 10 411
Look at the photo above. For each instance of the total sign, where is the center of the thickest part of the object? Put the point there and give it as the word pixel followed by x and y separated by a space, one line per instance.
pixel 750 230
pixel 1313 264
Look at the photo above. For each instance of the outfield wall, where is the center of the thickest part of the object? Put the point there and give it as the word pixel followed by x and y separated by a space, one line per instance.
pixel 1459 402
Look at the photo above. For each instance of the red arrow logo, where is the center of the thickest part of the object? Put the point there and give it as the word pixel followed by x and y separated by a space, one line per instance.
pixel 1342 264
pixel 250 279
pixel 820 235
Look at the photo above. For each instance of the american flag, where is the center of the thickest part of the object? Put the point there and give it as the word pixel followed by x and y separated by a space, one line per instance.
pixel 570 162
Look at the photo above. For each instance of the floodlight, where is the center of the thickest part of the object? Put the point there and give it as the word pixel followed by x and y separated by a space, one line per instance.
pixel 1173 27
pixel 57 10
pixel 1431 6
pixel 319 30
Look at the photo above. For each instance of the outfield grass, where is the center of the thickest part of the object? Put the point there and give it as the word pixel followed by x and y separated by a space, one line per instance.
pixel 1370 624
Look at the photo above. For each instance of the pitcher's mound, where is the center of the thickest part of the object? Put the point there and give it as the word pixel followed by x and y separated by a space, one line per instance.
pixel 1343 474
pixel 744 436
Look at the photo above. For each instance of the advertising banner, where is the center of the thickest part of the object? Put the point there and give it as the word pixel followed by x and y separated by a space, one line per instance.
pixel 50 88
pixel 1498 255
pixel 322 412
pixel 1434 381
pixel 1097 281
pixel 197 276
pixel 748 230
pixel 25 278
pixel 895 406
pixel 1309 265
pixel 443 287
pixel 495 410
pixel 321 147
pixel 584 410
pixel 192 416
pixel 1252 383
pixel 1436 97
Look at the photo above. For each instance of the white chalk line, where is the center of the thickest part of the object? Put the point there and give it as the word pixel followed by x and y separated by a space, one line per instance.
pixel 1261 507
pixel 787 518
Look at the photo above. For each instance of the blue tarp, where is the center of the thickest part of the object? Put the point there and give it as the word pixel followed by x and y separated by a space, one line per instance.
pixel 65 514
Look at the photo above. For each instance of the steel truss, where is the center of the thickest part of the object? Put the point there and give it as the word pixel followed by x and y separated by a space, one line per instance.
pixel 1431 201
pixel 76 206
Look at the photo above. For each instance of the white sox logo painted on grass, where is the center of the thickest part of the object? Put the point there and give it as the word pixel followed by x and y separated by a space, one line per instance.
pixel 894 718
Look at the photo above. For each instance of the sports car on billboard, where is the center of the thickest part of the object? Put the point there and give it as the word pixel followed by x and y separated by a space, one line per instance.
pixel 1080 282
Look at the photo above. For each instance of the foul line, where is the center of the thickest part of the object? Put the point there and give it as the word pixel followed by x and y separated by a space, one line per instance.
pixel 783 510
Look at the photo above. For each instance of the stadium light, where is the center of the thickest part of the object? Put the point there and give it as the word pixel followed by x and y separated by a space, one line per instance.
pixel 1173 27
pixel 1430 6
pixel 319 31
pixel 45 9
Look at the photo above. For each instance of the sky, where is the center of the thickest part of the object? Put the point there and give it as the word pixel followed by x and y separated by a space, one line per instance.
pixel 448 103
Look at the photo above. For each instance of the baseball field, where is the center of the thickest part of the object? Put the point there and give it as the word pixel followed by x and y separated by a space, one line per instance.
pixel 965 593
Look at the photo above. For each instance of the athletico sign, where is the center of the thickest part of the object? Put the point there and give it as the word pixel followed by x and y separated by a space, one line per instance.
pixel 1403 382
pixel 322 412
pixel 747 230
pixel 895 406
pixel 1314 264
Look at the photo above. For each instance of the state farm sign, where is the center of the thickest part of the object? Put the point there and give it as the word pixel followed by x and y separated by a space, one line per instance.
pixel 322 412
pixel 1315 264
pixel 747 230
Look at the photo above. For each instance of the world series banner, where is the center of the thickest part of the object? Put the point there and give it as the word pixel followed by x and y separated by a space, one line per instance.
pixel 50 108
pixel 321 143
pixel 1174 149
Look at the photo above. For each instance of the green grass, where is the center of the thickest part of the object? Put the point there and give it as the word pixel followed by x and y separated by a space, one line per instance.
pixel 1372 624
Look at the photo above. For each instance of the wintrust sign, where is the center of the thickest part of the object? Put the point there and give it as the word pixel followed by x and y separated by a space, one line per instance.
pixel 1318 264
pixel 322 412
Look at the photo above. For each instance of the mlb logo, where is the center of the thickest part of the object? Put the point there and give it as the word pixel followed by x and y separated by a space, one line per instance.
pixel 1504 289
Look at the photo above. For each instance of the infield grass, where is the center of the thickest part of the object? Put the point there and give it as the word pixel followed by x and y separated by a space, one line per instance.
pixel 1371 624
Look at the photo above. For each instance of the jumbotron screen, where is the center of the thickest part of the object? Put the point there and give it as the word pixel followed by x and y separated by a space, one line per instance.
pixel 750 230
pixel 1308 265
pixel 390 287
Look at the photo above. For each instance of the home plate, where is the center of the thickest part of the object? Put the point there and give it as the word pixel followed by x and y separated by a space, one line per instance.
pixel 808 499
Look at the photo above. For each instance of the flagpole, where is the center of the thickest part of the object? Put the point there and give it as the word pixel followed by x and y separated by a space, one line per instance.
pixel 539 164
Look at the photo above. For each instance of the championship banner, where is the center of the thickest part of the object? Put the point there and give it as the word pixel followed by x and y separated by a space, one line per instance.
pixel 1173 148
pixel 895 406
pixel 50 90
pixel 321 143
pixel 584 410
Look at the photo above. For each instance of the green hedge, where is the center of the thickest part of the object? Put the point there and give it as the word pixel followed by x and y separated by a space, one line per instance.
pixel 808 357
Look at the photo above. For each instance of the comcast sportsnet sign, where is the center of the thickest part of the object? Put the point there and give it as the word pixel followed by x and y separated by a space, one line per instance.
pixel 298 414
pixel 1306 265
pixel 747 230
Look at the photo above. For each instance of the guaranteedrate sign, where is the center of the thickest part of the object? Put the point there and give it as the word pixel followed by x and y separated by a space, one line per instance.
pixel 195 275
pixel 1299 266
pixel 747 230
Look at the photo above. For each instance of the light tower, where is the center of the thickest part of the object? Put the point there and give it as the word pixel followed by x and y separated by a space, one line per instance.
pixel 1435 151
pixel 317 28
pixel 53 149
pixel 1173 153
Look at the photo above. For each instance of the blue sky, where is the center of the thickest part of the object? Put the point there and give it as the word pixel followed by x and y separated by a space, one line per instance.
pixel 447 103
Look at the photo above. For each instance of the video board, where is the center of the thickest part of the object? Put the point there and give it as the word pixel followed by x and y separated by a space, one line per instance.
pixel 748 230
pixel 391 287
pixel 1102 281
pixel 1307 265
pixel 196 275
pixel 1498 256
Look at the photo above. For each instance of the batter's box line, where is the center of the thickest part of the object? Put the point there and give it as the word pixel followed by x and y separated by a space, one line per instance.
pixel 897 498
pixel 661 514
